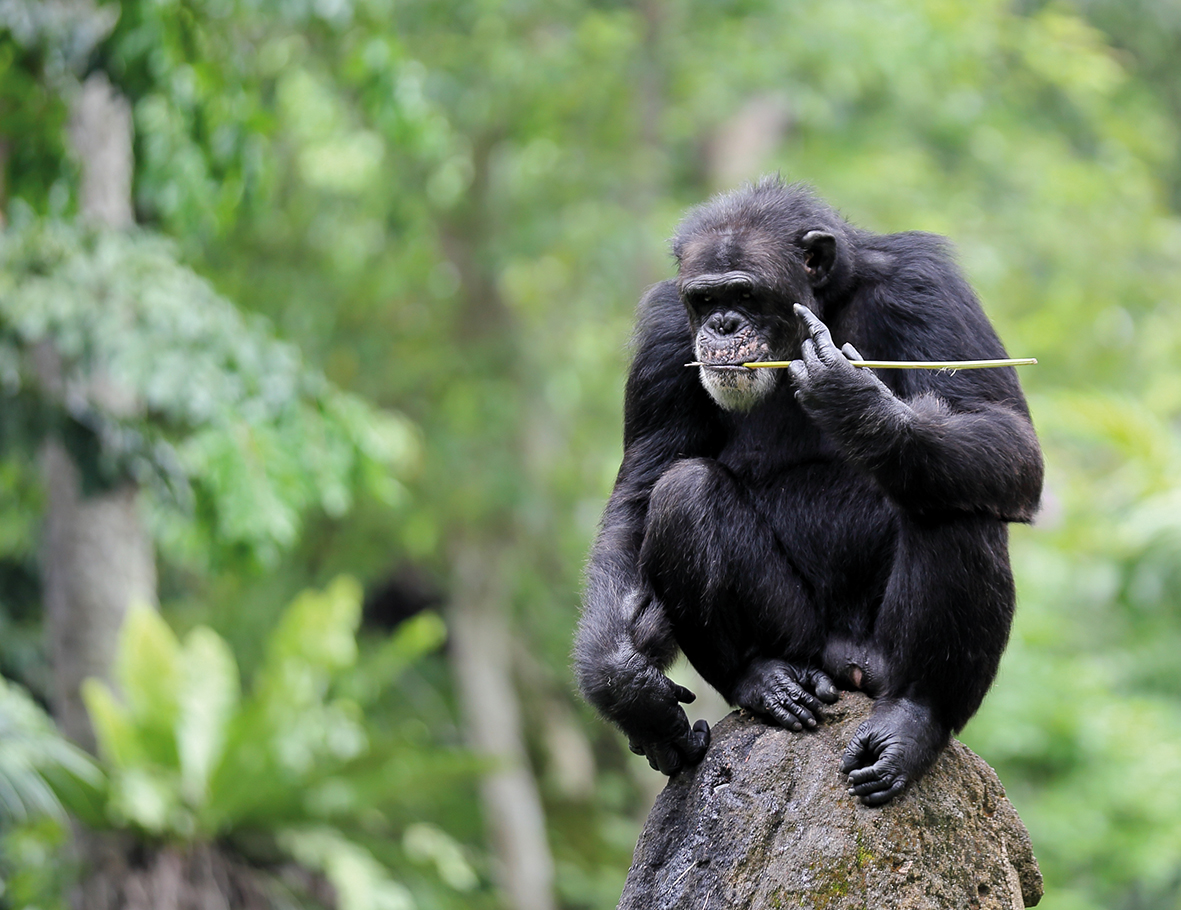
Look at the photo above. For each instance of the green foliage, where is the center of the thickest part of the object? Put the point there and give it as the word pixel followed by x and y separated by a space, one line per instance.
pixel 189 757
pixel 41 45
pixel 34 759
pixel 1078 728
pixel 36 864
pixel 36 765
pixel 161 379
pixel 196 109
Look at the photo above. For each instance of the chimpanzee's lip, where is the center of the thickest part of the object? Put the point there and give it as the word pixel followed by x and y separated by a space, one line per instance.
pixel 718 366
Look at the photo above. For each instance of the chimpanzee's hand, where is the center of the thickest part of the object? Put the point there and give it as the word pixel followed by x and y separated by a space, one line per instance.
pixel 669 743
pixel 824 378
pixel 787 695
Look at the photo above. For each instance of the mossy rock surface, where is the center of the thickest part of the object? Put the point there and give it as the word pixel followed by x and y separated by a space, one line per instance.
pixel 765 821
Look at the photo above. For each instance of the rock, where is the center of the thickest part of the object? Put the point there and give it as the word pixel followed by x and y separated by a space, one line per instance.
pixel 765 821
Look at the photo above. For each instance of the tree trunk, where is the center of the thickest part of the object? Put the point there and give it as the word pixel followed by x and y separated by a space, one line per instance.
pixel 97 561
pixel 101 133
pixel 481 655
pixel 97 557
pixel 766 821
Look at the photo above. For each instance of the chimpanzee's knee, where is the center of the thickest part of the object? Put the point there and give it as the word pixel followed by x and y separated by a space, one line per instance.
pixel 683 499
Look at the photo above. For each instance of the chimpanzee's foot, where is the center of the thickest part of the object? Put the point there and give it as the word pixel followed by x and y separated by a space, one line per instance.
pixel 892 749
pixel 785 694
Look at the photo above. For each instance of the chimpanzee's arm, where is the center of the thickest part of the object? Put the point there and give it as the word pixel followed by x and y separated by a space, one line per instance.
pixel 624 641
pixel 942 443
pixel 960 447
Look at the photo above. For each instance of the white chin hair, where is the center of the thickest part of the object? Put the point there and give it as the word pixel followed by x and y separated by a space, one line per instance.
pixel 737 390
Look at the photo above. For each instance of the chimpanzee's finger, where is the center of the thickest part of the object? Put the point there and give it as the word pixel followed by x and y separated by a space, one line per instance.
pixel 821 683
pixel 857 755
pixel 665 759
pixel 853 354
pixel 782 716
pixel 817 329
pixel 811 355
pixel 696 743
pixel 881 798
pixel 801 700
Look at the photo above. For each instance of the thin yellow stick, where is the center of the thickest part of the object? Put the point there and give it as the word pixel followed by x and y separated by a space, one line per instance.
pixel 889 364
pixel 913 364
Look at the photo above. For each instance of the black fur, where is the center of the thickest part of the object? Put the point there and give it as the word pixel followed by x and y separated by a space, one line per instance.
pixel 792 532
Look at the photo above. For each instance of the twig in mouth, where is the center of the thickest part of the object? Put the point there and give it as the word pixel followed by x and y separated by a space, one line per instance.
pixel 881 364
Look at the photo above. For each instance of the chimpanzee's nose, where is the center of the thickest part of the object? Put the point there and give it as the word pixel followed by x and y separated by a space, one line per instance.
pixel 723 323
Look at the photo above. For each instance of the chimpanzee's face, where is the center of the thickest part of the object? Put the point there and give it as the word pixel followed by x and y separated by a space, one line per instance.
pixel 740 310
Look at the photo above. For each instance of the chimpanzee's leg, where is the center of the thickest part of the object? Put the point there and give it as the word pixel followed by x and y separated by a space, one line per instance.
pixel 941 630
pixel 740 609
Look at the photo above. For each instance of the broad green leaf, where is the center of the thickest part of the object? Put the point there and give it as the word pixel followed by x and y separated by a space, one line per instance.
pixel 114 729
pixel 149 798
pixel 34 757
pixel 317 631
pixel 208 700
pixel 148 668
pixel 417 637
pixel 411 640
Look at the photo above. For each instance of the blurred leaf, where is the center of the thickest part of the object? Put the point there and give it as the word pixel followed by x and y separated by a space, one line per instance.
pixel 148 670
pixel 426 843
pixel 191 758
pixel 316 631
pixel 218 419
pixel 147 798
pixel 114 728
pixel 411 640
pixel 32 752
pixel 360 881
pixel 208 700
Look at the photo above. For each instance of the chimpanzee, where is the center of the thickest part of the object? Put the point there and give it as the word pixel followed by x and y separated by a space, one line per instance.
pixel 797 531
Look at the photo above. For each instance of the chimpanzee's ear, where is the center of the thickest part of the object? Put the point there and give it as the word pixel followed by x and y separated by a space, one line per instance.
pixel 820 253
